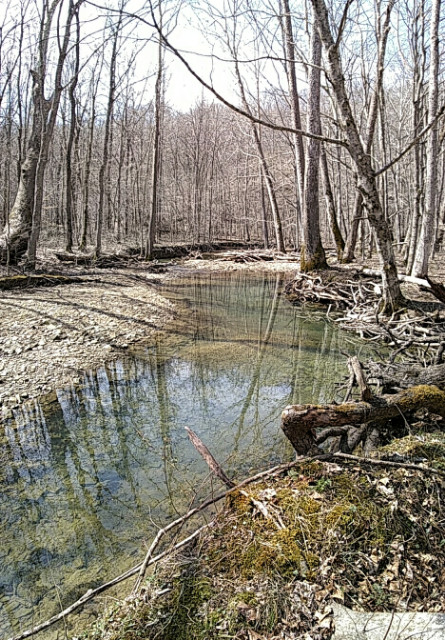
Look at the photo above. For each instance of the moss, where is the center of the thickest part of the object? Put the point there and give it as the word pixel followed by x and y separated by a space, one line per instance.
pixel 428 446
pixel 247 597
pixel 239 502
pixel 315 262
pixel 278 553
pixel 340 515
pixel 357 531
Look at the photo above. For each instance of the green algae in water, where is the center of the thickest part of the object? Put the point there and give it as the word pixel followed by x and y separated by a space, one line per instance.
pixel 86 481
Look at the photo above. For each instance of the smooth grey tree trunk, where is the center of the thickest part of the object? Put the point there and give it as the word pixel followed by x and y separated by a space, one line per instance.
pixel 289 47
pixel 427 236
pixel 155 168
pixel 312 254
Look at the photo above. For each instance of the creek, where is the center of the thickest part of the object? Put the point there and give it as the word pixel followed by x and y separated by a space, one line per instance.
pixel 87 480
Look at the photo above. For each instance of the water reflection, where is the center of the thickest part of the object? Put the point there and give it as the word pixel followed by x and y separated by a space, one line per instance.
pixel 87 480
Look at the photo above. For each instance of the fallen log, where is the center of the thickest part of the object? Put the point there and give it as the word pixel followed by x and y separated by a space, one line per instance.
pixel 45 280
pixel 437 289
pixel 76 258
pixel 300 422
pixel 405 375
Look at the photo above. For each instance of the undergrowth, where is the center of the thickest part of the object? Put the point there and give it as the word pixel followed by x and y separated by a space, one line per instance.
pixel 369 537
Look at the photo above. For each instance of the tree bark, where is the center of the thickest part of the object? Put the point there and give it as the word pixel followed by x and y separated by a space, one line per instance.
pixel 155 168
pixel 428 228
pixel 313 255
pixel 289 47
pixel 299 422
pixel 71 138
pixel 330 206
pixel 103 186
pixel 367 184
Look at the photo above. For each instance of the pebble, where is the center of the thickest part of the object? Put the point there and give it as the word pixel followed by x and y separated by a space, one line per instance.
pixel 40 353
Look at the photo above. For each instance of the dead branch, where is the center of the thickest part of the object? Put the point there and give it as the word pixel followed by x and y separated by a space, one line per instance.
pixel 388 463
pixel 42 280
pixel 216 468
pixel 213 465
pixel 355 369
pixel 405 375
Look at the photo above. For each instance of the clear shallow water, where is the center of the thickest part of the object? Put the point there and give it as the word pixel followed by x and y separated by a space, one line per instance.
pixel 86 481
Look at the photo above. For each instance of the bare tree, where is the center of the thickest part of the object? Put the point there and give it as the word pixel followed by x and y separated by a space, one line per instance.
pixel 313 254
pixel 155 168
pixel 290 52
pixel 428 229
pixel 366 180
pixel 22 230
pixel 103 185
pixel 71 137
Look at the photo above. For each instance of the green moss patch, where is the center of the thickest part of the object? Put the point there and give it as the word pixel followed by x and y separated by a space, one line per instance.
pixel 371 538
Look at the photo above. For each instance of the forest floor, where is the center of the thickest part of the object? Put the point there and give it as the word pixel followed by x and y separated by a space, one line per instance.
pixel 49 335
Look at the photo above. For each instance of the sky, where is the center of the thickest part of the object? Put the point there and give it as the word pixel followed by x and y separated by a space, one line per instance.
pixel 193 31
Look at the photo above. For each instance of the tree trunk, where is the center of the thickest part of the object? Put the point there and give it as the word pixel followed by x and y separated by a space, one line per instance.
pixel 103 187
pixel 367 184
pixel 428 229
pixel 155 169
pixel 351 241
pixel 330 207
pixel 289 47
pixel 69 150
pixel 264 166
pixel 15 236
pixel 299 422
pixel 22 230
pixel 313 255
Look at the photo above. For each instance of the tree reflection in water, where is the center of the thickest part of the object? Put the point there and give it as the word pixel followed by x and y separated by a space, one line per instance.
pixel 87 480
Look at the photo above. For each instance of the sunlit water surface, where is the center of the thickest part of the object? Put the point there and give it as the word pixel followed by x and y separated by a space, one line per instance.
pixel 86 481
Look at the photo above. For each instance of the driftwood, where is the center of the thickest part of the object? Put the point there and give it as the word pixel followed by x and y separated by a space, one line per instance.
pixel 299 422
pixel 397 376
pixel 267 511
pixel 213 465
pixel 357 374
pixel 435 288
pixel 43 280
pixel 107 261
pixel 244 256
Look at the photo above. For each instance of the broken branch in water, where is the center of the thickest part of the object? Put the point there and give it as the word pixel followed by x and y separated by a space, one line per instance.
pixel 216 468
pixel 213 465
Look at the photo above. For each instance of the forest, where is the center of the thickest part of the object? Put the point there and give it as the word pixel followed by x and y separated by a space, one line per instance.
pixel 307 134
pixel 317 126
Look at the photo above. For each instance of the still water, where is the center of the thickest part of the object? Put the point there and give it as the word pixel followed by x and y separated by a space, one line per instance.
pixel 86 481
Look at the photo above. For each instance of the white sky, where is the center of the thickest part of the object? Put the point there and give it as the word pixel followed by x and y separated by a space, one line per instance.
pixel 182 90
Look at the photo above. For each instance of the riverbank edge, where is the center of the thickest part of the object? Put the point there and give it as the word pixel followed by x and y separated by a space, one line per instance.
pixel 49 337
